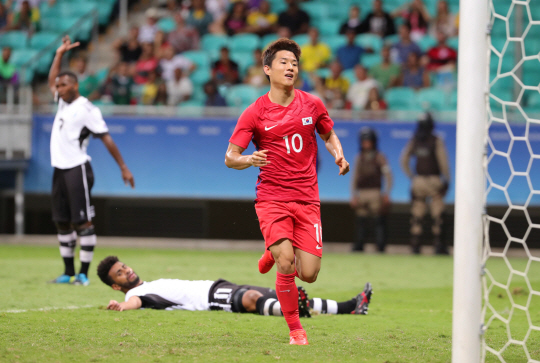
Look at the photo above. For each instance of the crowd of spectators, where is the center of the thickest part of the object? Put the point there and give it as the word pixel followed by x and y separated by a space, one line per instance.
pixel 152 70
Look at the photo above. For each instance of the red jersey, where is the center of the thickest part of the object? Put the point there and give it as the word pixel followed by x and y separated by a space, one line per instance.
pixel 288 133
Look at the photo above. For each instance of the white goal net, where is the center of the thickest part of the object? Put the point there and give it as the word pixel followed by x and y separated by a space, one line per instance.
pixel 511 251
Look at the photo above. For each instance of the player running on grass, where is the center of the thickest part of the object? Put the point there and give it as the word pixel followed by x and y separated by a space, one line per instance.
pixel 173 294
pixel 282 126
pixel 76 119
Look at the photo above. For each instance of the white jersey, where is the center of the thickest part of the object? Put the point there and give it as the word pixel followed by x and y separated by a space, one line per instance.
pixel 73 124
pixel 173 294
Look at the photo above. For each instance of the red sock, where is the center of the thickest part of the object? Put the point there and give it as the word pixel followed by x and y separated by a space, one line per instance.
pixel 287 294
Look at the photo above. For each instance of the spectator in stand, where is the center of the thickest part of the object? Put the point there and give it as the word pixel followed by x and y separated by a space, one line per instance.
pixel 147 63
pixel 378 21
pixel 129 49
pixel 23 19
pixel 147 31
pixel 385 72
pixel 199 17
pixel 358 93
pixel 236 20
pixel 442 57
pixel 225 70
pixel 375 102
pixel 416 16
pixel 171 61
pixel 8 75
pixel 179 89
pixel 262 21
pixel 119 86
pixel 3 17
pixel 350 54
pixel 183 37
pixel 217 9
pixel 255 74
pixel 294 18
pixel 213 98
pixel 336 87
pixel 88 82
pixel 315 54
pixel 401 50
pixel 33 3
pixel 354 21
pixel 150 88
pixel 444 21
pixel 413 75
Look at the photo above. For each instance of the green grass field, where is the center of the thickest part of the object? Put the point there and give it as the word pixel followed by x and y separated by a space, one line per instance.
pixel 409 319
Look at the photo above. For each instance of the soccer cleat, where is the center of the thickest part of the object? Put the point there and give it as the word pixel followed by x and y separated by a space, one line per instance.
pixel 81 279
pixel 266 262
pixel 303 303
pixel 298 337
pixel 62 279
pixel 363 299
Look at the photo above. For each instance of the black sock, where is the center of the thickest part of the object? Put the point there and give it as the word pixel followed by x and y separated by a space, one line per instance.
pixel 269 305
pixel 84 268
pixel 69 264
pixel 346 307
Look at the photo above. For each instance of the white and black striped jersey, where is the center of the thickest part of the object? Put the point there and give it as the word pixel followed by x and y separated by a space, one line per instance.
pixel 73 124
pixel 172 294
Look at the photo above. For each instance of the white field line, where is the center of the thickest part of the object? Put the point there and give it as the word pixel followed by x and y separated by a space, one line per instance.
pixel 16 311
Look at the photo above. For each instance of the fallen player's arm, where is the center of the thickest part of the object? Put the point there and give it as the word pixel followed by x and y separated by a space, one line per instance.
pixel 133 303
pixel 333 145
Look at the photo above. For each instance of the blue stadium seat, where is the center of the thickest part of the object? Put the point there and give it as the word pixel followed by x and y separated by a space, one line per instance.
pixel 391 39
pixel 334 41
pixel 452 101
pixel 211 42
pixel 14 39
pixel 241 95
pixel 533 102
pixel 59 25
pixel 426 43
pixel 369 41
pixel 453 43
pixel 369 59
pixel 244 42
pixel 350 75
pixel 22 57
pixel 166 24
pixel 316 10
pixel 301 39
pixel 431 99
pixel 267 39
pixel 43 40
pixel 328 26
pixel 323 72
pixel 277 6
pixel 244 61
pixel 199 57
pixel 200 76
pixel 401 98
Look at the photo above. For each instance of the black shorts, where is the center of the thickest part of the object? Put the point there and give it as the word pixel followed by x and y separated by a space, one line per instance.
pixel 71 194
pixel 225 295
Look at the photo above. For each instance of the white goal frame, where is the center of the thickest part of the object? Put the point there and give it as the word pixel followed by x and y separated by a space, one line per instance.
pixel 470 180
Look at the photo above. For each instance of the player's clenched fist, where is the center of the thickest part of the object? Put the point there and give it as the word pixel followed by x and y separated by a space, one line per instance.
pixel 259 158
pixel 114 305
pixel 343 165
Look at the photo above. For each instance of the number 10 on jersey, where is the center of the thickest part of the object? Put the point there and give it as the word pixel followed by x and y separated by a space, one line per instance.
pixel 296 139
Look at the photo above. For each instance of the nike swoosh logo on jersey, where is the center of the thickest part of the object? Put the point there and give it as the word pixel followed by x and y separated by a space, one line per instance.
pixel 286 291
pixel 266 128
pixel 319 248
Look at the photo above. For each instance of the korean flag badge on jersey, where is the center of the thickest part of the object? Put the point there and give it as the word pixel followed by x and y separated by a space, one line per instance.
pixel 307 121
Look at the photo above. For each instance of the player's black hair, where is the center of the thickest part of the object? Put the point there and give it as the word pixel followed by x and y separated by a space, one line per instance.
pixel 281 44
pixel 104 267
pixel 70 75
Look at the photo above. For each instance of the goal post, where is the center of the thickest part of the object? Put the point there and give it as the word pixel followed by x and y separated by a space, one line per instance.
pixel 470 180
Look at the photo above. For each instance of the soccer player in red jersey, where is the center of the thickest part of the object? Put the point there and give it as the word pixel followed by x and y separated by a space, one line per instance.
pixel 282 126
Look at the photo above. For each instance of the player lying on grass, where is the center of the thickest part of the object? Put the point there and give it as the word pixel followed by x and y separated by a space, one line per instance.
pixel 173 294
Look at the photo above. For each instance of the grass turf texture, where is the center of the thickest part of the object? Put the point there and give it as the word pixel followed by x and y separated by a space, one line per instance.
pixel 409 319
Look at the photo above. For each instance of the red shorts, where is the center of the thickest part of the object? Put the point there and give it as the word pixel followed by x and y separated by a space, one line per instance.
pixel 298 222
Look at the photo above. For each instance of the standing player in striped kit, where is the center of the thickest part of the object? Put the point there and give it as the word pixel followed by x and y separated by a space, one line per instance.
pixel 76 119
pixel 282 125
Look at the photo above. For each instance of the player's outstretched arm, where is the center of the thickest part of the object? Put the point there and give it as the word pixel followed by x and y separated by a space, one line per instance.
pixel 57 62
pixel 333 145
pixel 113 150
pixel 235 160
pixel 133 303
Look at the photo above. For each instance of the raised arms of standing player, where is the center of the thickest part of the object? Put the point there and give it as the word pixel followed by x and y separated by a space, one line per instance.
pixel 57 61
pixel 333 145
